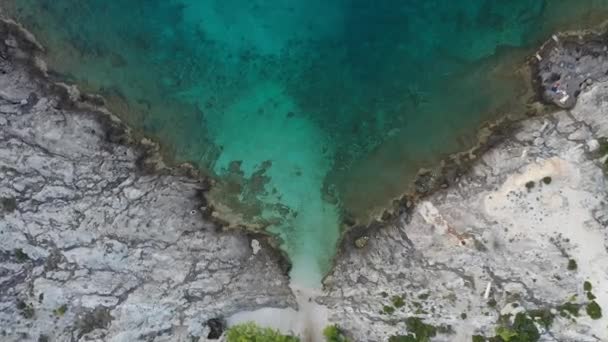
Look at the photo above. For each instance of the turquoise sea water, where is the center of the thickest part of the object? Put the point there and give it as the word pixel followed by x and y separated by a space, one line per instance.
pixel 304 111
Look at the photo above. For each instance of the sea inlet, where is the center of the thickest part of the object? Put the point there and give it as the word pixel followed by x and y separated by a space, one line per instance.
pixel 305 113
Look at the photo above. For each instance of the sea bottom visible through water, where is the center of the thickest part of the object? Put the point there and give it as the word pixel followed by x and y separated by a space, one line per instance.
pixel 308 113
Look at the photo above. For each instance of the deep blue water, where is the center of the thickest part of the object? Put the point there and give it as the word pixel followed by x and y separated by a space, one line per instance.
pixel 304 112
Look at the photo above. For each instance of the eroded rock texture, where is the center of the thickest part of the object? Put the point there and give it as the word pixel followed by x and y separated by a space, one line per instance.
pixel 523 230
pixel 93 249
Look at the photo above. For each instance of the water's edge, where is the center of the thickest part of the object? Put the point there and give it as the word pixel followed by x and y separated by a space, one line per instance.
pixel 490 134
pixel 153 160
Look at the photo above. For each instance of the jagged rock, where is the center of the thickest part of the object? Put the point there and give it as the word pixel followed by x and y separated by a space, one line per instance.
pixel 570 65
pixel 94 249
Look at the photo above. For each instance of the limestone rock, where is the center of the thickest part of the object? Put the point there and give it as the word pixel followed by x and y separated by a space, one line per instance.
pixel 489 228
pixel 593 145
pixel 94 249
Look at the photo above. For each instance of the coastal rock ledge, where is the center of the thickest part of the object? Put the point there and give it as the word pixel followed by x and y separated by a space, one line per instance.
pixel 516 247
pixel 94 249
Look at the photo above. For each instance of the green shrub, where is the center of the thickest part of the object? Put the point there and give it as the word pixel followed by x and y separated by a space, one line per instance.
pixel 418 331
pixel 547 180
pixel 505 333
pixel 523 329
pixel 421 330
pixel 530 185
pixel 389 310
pixel 603 150
pixel 403 338
pixel 544 316
pixel 333 334
pixel 568 308
pixel 60 311
pixel 424 296
pixel 250 332
pixel 594 310
pixel 398 301
pixel 587 286
pixel 572 266
pixel 21 255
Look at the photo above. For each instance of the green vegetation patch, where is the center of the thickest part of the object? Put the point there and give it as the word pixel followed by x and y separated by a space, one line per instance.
pixel 543 316
pixel 530 185
pixel 587 286
pixel 26 310
pixel 251 332
pixel 506 333
pixel 398 301
pixel 478 338
pixel 424 296
pixel 418 331
pixel 387 309
pixel 569 309
pixel 21 255
pixel 524 326
pixel 421 330
pixel 403 338
pixel 60 311
pixel 572 266
pixel 594 310
pixel 523 329
pixel 547 180
pixel 603 150
pixel 333 334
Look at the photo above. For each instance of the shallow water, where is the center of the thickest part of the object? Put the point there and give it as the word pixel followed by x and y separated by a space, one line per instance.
pixel 305 112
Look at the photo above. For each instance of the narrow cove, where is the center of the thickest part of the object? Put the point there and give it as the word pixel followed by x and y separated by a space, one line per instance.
pixel 304 112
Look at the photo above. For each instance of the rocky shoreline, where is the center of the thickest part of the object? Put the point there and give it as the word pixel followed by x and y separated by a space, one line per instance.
pixel 518 239
pixel 100 239
pixel 549 59
pixel 475 242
